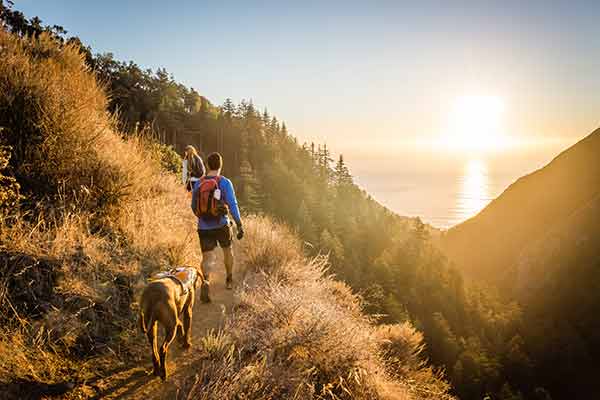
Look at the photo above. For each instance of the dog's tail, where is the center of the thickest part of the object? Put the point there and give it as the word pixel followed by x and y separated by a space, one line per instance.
pixel 142 322
pixel 146 321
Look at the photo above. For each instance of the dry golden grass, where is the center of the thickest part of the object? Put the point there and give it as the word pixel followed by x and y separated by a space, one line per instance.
pixel 297 333
pixel 99 215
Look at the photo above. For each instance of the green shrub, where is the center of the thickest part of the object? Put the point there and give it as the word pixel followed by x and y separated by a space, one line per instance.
pixel 170 160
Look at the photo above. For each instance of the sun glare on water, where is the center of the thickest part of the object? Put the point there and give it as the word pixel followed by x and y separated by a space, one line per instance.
pixel 474 192
pixel 476 124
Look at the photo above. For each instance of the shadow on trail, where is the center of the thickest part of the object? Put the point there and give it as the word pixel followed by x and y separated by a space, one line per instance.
pixel 131 384
pixel 131 381
pixel 25 389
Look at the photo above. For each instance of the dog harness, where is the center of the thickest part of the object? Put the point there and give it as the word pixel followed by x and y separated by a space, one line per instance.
pixel 184 276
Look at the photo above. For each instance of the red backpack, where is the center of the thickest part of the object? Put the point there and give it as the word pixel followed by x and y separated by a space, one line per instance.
pixel 206 205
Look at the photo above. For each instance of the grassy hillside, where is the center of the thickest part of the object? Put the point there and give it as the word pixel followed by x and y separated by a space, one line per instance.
pixel 86 215
pixel 96 214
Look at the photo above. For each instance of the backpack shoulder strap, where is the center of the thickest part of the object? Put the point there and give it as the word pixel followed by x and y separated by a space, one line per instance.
pixel 214 178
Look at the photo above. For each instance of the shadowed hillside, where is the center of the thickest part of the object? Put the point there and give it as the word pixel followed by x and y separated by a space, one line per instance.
pixel 532 210
pixel 86 215
pixel 540 242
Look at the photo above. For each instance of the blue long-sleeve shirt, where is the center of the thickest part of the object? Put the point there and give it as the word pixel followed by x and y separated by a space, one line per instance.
pixel 228 196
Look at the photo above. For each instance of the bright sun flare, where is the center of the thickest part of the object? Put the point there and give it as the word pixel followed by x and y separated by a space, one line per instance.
pixel 477 124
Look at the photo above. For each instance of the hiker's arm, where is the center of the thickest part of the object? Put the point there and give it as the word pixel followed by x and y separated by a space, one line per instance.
pixel 195 191
pixel 184 172
pixel 231 201
pixel 202 166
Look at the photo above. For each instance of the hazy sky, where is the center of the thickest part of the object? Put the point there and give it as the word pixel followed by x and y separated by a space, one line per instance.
pixel 366 74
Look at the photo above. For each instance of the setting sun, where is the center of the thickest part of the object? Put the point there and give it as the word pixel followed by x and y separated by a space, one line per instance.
pixel 476 123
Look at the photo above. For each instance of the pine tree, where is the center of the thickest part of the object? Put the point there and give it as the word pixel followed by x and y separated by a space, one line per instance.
pixel 248 185
pixel 341 174
pixel 304 223
pixel 192 101
pixel 330 244
pixel 266 118
pixel 324 161
pixel 250 196
pixel 228 108
pixel 274 126
pixel 250 111
pixel 240 110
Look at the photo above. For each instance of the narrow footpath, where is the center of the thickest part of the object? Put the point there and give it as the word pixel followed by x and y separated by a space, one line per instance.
pixel 133 382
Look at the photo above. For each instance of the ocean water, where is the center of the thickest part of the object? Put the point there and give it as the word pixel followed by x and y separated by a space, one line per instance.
pixel 443 190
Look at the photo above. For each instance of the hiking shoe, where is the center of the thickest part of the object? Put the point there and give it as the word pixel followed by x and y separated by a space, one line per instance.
pixel 229 283
pixel 204 289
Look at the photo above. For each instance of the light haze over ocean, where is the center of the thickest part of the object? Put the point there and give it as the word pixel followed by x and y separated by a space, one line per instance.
pixel 444 191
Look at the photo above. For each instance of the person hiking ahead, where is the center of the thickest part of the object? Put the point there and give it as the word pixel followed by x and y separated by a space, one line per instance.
pixel 193 167
pixel 213 197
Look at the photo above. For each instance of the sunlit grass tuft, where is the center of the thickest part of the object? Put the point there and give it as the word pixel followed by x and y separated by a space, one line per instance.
pixel 297 333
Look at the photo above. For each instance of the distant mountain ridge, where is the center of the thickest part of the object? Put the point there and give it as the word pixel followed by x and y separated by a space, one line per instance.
pixel 493 244
pixel 539 243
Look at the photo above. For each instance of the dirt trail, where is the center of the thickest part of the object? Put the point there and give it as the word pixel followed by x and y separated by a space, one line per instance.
pixel 132 381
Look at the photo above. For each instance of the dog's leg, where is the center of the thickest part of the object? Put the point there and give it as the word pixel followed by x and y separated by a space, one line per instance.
pixel 183 331
pixel 187 325
pixel 170 334
pixel 180 333
pixel 152 334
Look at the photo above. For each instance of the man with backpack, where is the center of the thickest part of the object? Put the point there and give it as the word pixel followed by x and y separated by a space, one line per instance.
pixel 213 198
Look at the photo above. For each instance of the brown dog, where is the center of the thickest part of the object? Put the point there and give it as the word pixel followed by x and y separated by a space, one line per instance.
pixel 168 296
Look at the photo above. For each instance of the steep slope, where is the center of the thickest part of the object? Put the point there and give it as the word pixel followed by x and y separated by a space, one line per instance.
pixel 540 242
pixel 97 213
pixel 542 260
pixel 558 284
pixel 490 245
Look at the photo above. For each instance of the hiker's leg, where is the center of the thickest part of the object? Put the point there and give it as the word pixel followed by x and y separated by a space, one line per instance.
pixel 228 256
pixel 225 238
pixel 208 243
pixel 209 259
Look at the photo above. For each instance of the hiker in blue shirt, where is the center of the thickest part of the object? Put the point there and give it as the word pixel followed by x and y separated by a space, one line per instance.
pixel 213 198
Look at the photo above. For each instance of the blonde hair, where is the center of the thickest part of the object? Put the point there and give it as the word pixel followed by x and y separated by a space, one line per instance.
pixel 190 151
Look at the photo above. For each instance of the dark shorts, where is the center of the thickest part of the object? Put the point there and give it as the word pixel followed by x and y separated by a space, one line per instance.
pixel 210 237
